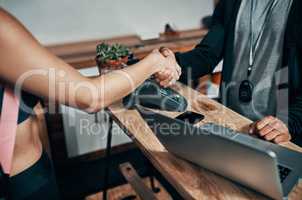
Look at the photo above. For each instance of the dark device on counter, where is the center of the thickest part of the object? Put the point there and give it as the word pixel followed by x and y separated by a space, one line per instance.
pixel 190 117
pixel 151 95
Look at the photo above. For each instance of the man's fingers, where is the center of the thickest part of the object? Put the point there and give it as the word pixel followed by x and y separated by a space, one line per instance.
pixel 267 120
pixel 277 124
pixel 271 129
pixel 165 51
pixel 282 138
pixel 272 135
pixel 267 129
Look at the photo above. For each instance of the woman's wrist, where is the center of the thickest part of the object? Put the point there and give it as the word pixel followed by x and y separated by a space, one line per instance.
pixel 152 63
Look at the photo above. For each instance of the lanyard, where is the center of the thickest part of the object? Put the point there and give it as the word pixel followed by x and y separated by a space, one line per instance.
pixel 251 36
pixel 251 56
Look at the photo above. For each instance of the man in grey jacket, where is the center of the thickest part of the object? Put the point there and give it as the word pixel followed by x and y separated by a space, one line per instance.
pixel 255 39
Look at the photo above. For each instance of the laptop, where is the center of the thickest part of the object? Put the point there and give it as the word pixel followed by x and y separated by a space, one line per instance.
pixel 262 166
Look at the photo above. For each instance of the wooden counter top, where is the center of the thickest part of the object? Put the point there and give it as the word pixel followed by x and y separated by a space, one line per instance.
pixel 191 181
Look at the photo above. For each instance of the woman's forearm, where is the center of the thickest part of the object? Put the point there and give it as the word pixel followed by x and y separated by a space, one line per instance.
pixel 25 63
pixel 118 84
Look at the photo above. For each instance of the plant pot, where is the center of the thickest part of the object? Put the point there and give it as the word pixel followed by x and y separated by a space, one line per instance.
pixel 111 65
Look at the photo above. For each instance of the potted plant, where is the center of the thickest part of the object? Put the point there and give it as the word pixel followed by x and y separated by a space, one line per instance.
pixel 112 57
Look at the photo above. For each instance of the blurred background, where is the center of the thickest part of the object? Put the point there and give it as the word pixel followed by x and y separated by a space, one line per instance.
pixel 61 21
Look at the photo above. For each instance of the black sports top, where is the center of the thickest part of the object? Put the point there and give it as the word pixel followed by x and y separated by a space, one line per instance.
pixel 27 103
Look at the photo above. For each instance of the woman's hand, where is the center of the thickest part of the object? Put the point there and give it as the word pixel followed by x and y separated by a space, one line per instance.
pixel 157 61
pixel 172 71
pixel 166 69
pixel 271 129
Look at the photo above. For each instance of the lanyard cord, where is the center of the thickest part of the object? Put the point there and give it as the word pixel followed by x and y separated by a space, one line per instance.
pixel 251 59
pixel 251 36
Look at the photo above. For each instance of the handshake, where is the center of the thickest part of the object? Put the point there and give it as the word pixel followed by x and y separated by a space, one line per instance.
pixel 167 70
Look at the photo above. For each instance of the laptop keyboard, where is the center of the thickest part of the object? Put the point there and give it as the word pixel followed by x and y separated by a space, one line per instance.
pixel 283 173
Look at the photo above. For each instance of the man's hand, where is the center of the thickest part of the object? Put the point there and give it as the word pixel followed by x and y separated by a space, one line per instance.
pixel 271 129
pixel 172 71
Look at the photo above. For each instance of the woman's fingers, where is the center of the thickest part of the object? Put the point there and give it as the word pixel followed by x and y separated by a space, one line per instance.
pixel 162 75
pixel 156 51
pixel 166 82
pixel 178 69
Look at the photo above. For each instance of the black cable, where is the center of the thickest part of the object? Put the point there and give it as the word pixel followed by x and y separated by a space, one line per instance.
pixel 107 160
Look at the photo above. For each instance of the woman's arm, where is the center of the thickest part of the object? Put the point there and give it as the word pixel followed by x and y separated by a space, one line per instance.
pixel 27 64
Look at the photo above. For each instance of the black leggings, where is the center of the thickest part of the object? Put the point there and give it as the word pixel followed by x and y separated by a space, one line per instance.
pixel 37 182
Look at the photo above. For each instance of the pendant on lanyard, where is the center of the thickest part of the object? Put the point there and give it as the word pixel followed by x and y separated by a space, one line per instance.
pixel 246 87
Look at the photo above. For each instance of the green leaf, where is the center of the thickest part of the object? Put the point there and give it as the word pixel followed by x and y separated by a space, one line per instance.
pixel 107 52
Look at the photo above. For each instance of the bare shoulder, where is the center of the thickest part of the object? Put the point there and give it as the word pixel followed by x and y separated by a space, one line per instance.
pixel 5 15
pixel 11 29
pixel 7 21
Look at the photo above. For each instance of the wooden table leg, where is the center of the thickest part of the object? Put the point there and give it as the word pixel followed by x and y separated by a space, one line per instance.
pixel 136 182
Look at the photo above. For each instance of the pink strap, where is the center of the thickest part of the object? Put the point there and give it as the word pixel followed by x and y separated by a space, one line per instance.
pixel 8 128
